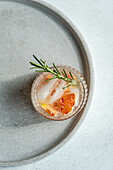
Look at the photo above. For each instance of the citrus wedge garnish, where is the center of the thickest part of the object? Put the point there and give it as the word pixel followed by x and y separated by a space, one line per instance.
pixel 66 103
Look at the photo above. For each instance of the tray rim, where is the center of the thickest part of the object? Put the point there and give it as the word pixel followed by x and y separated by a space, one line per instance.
pixel 91 91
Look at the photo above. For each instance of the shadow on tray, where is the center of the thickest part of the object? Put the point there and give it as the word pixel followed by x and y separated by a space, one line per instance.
pixel 15 103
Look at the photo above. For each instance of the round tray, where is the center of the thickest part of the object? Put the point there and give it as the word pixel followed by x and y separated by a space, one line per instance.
pixel 27 28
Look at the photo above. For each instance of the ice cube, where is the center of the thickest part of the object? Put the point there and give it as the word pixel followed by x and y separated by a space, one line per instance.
pixel 58 91
pixel 45 90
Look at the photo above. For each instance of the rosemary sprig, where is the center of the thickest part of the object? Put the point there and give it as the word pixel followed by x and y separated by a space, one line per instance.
pixel 43 67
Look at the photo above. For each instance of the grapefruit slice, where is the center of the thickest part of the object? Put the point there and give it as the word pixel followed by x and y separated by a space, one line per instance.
pixel 66 103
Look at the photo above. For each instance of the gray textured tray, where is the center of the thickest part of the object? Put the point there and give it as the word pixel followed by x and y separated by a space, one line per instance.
pixel 26 28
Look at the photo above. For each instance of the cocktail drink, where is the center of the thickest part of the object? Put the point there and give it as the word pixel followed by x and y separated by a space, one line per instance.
pixel 56 99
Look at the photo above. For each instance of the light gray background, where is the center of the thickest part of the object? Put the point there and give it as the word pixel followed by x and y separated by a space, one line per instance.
pixel 92 146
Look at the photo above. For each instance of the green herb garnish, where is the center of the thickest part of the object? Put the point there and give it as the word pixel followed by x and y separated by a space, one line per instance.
pixel 43 67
